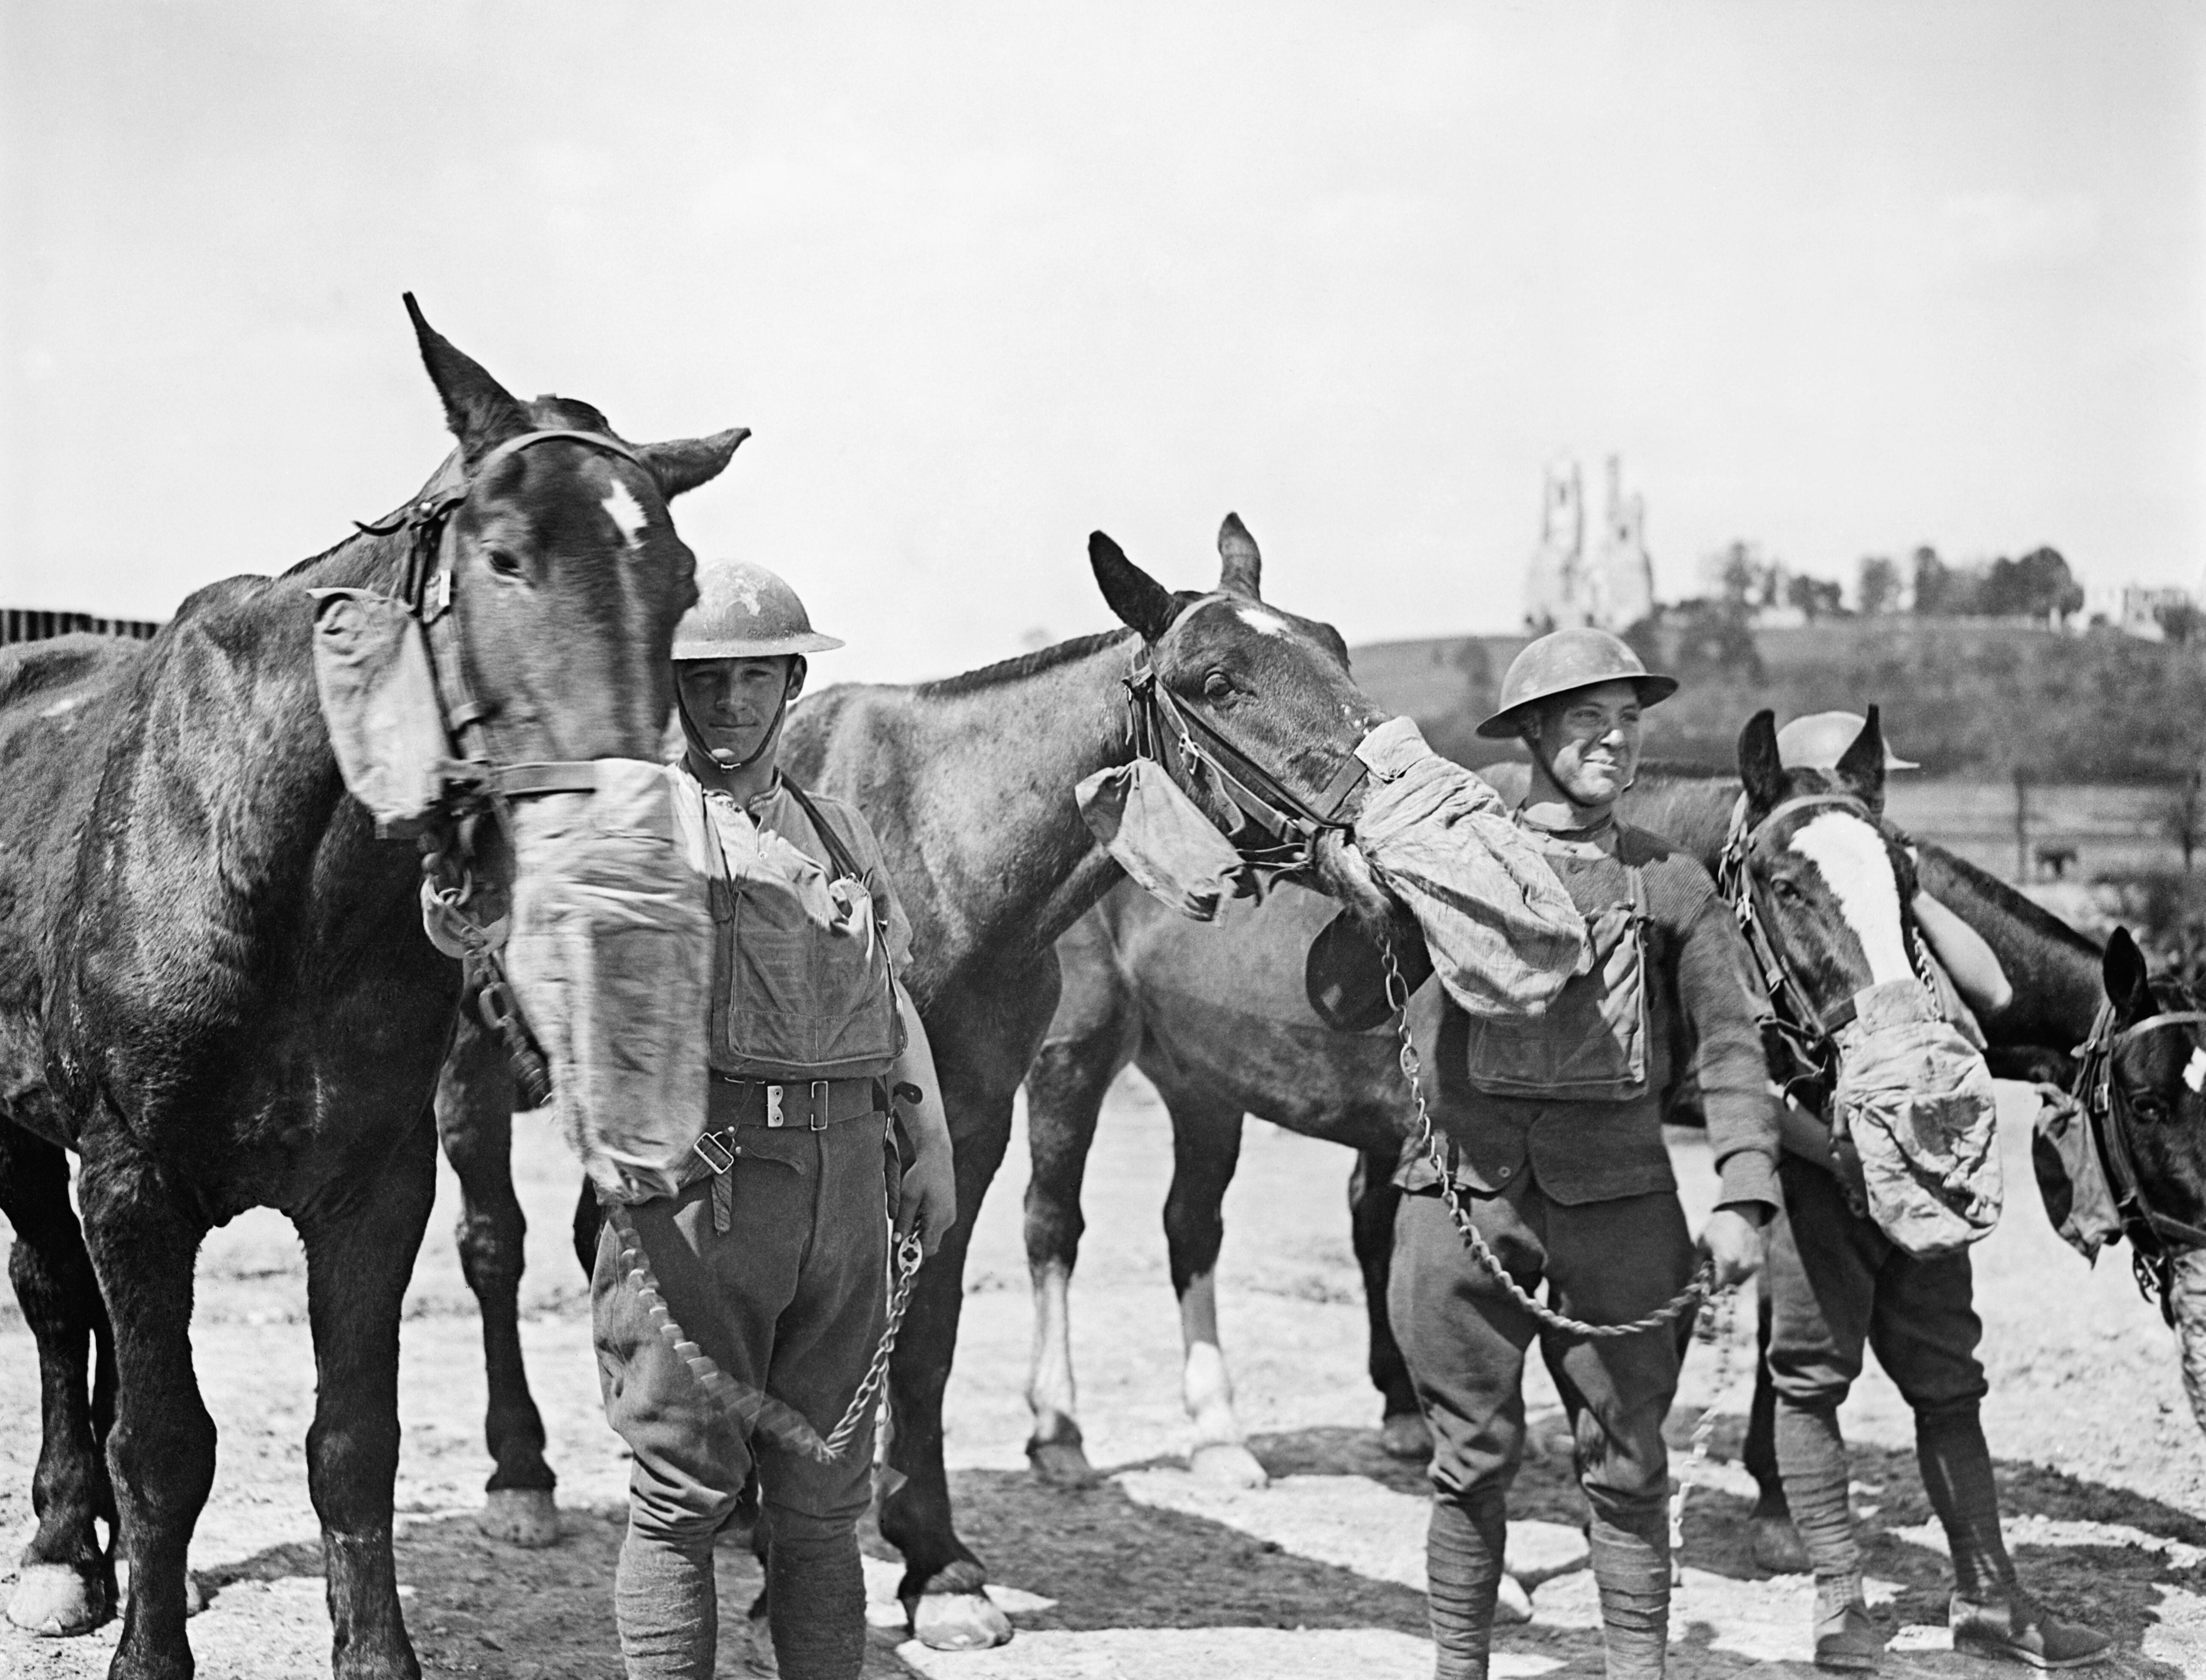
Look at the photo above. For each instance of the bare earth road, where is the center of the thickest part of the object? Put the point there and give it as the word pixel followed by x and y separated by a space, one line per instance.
pixel 1153 1574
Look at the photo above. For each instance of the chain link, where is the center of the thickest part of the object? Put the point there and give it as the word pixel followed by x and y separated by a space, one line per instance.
pixel 1700 1288
pixel 909 1254
pixel 1717 1324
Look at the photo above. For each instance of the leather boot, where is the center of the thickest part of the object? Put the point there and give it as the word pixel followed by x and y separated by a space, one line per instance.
pixel 1631 1568
pixel 815 1598
pixel 1990 1615
pixel 1811 1456
pixel 1463 1571
pixel 664 1604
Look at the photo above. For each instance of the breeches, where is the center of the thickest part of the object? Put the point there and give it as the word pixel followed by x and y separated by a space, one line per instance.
pixel 790 1299
pixel 1464 1338
pixel 1837 1283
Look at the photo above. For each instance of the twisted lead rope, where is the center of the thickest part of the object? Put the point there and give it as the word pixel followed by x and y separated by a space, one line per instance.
pixel 1698 1290
pixel 750 1407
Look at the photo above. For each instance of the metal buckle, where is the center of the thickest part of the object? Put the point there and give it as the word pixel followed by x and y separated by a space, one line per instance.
pixel 773 1105
pixel 819 1104
pixel 714 1153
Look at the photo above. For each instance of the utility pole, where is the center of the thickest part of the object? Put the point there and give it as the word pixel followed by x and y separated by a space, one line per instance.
pixel 2021 824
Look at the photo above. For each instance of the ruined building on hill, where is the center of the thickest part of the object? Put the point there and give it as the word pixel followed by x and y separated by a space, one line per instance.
pixel 1600 576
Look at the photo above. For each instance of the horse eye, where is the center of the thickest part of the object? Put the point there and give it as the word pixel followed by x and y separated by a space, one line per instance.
pixel 504 562
pixel 1217 686
pixel 1786 889
pixel 2150 1108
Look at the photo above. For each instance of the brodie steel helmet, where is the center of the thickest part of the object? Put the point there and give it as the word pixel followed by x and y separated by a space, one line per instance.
pixel 1562 660
pixel 1820 739
pixel 745 612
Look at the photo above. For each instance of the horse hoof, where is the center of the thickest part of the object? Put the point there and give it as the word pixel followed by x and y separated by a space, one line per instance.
pixel 1513 1603
pixel 1775 1546
pixel 1061 1463
pixel 959 1622
pixel 1404 1436
pixel 60 1600
pixel 526 1516
pixel 1228 1463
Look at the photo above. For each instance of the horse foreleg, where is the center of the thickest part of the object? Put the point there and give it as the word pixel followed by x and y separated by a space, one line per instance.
pixel 1372 1203
pixel 67 1581
pixel 160 1450
pixel 359 1254
pixel 941 1589
pixel 1066 1088
pixel 474 1124
pixel 1205 1149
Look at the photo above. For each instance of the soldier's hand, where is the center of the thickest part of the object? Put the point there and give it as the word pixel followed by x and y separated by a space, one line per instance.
pixel 929 1197
pixel 1733 1242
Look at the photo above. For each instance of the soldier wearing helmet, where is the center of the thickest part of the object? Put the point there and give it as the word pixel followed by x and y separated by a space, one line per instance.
pixel 773 1259
pixel 1554 1128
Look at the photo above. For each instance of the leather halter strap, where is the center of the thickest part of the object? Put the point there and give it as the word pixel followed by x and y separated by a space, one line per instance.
pixel 2152 1233
pixel 1795 1012
pixel 430 590
pixel 1293 819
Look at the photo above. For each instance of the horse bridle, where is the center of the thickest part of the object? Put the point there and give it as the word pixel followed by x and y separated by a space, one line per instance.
pixel 1289 823
pixel 477 782
pixel 2155 1237
pixel 1810 1035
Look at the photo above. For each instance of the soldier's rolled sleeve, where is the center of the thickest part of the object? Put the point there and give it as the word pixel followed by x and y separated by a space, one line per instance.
pixel 1716 984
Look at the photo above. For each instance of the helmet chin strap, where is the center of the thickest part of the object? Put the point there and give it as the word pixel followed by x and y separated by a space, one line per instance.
pixel 722 758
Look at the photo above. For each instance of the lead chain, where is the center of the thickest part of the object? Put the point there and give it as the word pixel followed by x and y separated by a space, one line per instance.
pixel 1700 1288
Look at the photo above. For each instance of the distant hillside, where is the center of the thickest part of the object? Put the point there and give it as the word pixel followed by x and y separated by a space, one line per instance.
pixel 1965 696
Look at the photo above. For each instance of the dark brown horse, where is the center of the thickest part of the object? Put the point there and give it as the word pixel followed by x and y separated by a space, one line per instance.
pixel 1217 1018
pixel 967 780
pixel 215 988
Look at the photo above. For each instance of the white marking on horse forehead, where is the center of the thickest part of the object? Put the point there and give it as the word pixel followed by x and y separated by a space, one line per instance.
pixel 1855 866
pixel 1263 623
pixel 2194 1071
pixel 626 512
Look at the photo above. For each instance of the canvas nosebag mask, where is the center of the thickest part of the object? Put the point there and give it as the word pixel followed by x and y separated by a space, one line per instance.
pixel 1160 837
pixel 1497 926
pixel 1914 1101
pixel 609 939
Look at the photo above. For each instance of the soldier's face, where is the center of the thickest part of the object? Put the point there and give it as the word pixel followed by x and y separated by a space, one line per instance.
pixel 734 702
pixel 1590 742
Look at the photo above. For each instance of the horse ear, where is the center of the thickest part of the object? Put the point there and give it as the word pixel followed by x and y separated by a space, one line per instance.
pixel 480 412
pixel 686 462
pixel 1861 766
pixel 1138 599
pixel 2129 986
pixel 1242 570
pixel 1759 766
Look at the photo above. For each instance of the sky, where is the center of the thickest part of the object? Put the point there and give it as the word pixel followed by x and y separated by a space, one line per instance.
pixel 1835 279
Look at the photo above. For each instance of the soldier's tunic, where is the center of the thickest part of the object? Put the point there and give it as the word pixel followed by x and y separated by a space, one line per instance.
pixel 777 1267
pixel 1578 1191
pixel 1557 1147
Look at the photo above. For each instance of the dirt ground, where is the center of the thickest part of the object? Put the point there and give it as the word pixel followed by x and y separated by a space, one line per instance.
pixel 1152 1573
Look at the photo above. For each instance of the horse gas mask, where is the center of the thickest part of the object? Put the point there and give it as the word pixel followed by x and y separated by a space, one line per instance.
pixel 608 941
pixel 1908 1100
pixel 1498 928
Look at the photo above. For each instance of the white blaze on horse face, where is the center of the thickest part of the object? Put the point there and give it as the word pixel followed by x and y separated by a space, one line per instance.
pixel 625 512
pixel 1262 623
pixel 2194 1071
pixel 1855 866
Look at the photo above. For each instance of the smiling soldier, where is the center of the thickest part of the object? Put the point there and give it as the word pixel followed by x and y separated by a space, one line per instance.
pixel 1553 1142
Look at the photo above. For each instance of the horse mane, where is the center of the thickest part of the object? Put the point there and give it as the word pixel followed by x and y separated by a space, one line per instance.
pixel 1020 666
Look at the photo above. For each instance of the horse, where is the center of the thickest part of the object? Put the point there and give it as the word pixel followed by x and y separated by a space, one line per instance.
pixel 216 989
pixel 1217 1018
pixel 967 780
